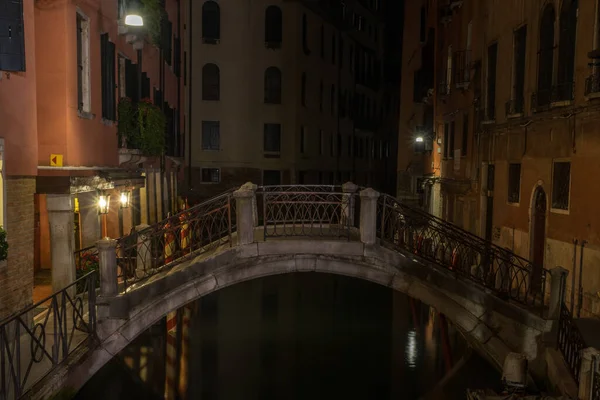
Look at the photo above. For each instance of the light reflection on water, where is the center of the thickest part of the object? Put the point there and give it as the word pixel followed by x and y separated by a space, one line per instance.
pixel 411 351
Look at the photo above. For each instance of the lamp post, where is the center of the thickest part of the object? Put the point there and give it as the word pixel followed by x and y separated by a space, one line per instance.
pixel 103 209
pixel 124 202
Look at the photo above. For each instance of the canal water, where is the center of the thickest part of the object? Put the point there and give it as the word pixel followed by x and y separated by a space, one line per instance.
pixel 298 336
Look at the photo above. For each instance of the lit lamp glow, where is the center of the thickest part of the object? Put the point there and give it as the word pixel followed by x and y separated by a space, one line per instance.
pixel 124 199
pixel 103 204
pixel 133 16
pixel 419 139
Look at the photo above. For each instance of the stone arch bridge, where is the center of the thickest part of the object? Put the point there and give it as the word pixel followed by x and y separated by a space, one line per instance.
pixel 498 300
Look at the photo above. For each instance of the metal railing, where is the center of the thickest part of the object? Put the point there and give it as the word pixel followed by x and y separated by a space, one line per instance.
pixel 592 83
pixel 507 275
pixel 31 348
pixel 570 341
pixel 515 106
pixel 543 98
pixel 595 379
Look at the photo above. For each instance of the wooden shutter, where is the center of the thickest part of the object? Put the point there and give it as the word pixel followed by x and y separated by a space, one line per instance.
pixel 145 86
pixel 112 81
pixel 104 74
pixel 131 83
pixel 12 40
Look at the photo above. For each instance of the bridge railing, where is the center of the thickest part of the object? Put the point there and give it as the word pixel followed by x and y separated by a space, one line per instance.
pixel 31 347
pixel 507 275
pixel 595 375
pixel 570 341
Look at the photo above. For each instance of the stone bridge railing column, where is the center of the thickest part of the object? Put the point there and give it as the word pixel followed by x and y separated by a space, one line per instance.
pixel 589 365
pixel 109 286
pixel 368 216
pixel 558 278
pixel 245 198
pixel 348 203
pixel 253 187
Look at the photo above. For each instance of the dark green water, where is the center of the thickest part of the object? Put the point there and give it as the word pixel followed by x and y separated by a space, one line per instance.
pixel 301 336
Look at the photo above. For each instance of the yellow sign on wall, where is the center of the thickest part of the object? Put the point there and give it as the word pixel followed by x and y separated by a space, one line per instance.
pixel 56 160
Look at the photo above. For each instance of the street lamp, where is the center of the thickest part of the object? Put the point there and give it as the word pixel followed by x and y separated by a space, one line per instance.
pixel 125 199
pixel 133 16
pixel 419 139
pixel 103 204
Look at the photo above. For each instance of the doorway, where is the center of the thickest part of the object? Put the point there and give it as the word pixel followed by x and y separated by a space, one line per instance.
pixel 538 239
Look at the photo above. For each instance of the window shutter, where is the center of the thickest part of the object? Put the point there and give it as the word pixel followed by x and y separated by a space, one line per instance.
pixel 12 40
pixel 131 83
pixel 158 98
pixel 104 73
pixel 167 39
pixel 112 81
pixel 177 57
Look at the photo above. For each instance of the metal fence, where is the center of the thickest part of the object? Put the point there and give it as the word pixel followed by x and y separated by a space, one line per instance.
pixel 570 341
pixel 31 347
pixel 595 379
pixel 461 252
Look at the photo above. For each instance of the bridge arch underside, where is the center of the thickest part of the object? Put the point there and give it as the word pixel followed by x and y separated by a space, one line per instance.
pixel 492 326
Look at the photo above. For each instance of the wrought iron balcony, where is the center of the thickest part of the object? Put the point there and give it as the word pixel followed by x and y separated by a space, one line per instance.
pixel 443 89
pixel 462 68
pixel 544 98
pixel 515 106
pixel 592 84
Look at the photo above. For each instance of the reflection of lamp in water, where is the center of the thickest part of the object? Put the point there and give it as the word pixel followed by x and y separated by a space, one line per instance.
pixel 411 351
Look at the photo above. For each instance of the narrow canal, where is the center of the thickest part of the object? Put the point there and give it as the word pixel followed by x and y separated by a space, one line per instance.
pixel 297 336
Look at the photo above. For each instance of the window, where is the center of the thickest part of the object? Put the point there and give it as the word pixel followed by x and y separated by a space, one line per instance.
pixel 131 81
pixel 321 96
pixel 83 64
pixel 12 38
pixel 211 22
pixel 177 56
pixel 321 145
pixel 211 82
pixel 514 182
pixel 332 99
pixel 167 40
pixel 566 50
pixel 302 139
pixel 545 57
pixel 303 89
pixel 423 25
pixel 520 51
pixel 491 81
pixel 333 48
pixel 107 72
pixel 561 185
pixel 273 27
pixel 446 139
pixel 451 141
pixel 273 85
pixel 322 41
pixel 211 135
pixel 272 138
pixel 211 175
pixel 305 34
pixel 465 135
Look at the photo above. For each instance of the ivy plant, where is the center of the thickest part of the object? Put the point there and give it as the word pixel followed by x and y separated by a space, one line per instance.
pixel 142 126
pixel 154 14
pixel 3 245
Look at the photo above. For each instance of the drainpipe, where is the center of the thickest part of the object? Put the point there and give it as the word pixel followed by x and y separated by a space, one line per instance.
pixel 189 116
pixel 580 302
pixel 575 241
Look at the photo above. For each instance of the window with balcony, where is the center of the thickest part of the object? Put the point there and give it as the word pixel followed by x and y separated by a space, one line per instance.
pixel 83 64
pixel 211 22
pixel 303 89
pixel 566 50
pixel 273 85
pixel 492 58
pixel 107 72
pixel 12 37
pixel 543 97
pixel 516 104
pixel 561 185
pixel 211 82
pixel 211 175
pixel 211 135
pixel 514 182
pixel 273 27
pixel 272 138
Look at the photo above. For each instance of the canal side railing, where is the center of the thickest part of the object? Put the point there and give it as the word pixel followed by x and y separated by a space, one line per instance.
pixel 570 342
pixel 31 346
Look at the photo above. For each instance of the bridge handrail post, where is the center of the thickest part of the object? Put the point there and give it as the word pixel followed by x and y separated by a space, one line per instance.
pixel 109 285
pixel 368 216
pixel 589 360
pixel 253 187
pixel 244 214
pixel 557 291
pixel 348 203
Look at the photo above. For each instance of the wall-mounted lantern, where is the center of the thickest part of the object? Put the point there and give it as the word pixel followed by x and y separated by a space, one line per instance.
pixel 103 204
pixel 133 17
pixel 125 199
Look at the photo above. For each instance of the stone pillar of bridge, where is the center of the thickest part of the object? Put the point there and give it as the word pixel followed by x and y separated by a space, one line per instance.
pixel 253 187
pixel 590 358
pixel 144 254
pixel 368 216
pixel 244 214
pixel 349 202
pixel 62 239
pixel 109 285
pixel 557 291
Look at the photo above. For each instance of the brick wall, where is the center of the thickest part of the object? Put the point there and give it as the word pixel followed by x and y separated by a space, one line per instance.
pixel 16 281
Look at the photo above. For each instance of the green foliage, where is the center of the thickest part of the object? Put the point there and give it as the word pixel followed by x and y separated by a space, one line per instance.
pixel 3 245
pixel 154 14
pixel 143 126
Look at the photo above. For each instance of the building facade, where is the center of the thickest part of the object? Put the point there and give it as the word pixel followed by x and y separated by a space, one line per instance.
pixel 516 86
pixel 284 92
pixel 65 70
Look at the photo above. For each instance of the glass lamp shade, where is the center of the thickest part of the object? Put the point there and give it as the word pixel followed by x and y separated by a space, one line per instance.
pixel 103 204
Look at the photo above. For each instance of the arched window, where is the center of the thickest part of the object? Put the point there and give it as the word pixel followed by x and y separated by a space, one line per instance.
pixel 566 50
pixel 273 27
pixel 273 85
pixel 211 22
pixel 546 56
pixel 211 82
